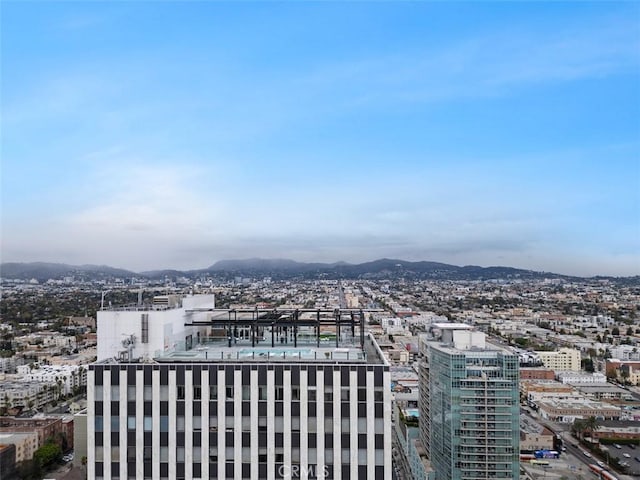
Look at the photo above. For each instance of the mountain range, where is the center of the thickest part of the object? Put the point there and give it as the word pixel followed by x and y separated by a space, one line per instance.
pixel 281 268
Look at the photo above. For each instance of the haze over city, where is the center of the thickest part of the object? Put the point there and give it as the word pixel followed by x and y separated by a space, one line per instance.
pixel 170 135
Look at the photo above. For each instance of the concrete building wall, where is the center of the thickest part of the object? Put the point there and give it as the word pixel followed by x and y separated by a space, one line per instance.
pixel 253 421
pixel 165 328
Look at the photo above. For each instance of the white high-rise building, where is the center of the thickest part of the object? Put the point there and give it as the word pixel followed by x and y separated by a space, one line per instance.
pixel 256 395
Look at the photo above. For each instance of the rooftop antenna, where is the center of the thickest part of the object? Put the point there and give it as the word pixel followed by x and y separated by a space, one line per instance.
pixel 102 299
pixel 128 343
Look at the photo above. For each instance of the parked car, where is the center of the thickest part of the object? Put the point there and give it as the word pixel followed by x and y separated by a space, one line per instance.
pixel 617 446
pixel 626 455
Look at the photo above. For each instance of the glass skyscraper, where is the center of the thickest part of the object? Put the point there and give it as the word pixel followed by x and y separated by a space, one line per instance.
pixel 473 408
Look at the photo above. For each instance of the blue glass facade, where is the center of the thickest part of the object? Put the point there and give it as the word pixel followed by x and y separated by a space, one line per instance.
pixel 473 413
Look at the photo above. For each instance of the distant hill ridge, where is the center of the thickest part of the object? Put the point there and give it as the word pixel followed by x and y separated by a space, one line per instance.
pixel 280 268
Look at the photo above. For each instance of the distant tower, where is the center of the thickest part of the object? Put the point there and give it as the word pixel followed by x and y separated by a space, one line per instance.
pixel 473 407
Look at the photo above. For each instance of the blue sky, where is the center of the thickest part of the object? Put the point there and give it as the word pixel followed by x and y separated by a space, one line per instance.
pixel 153 135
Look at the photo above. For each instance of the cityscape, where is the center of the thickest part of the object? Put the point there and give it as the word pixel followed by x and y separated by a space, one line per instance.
pixel 230 376
pixel 367 240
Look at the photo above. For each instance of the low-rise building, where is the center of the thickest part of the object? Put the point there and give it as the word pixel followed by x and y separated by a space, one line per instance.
pixel 625 353
pixel 18 396
pixel 582 378
pixel 566 410
pixel 58 428
pixel 7 460
pixel 25 444
pixel 537 373
pixel 535 391
pixel 605 391
pixel 534 436
pixel 627 371
pixel 618 429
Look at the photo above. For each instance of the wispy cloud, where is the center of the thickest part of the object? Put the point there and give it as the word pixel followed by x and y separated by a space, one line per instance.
pixel 492 64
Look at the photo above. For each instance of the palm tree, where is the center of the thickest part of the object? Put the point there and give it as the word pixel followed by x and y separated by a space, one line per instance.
pixel 578 427
pixel 591 425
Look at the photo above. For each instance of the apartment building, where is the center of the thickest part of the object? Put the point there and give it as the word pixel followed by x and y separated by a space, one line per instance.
pixel 563 359
pixel 283 394
pixel 473 410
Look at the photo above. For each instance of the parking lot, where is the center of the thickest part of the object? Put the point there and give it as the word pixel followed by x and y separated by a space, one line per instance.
pixel 629 454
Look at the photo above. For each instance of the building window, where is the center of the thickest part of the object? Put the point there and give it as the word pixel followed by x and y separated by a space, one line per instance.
pixel 145 328
pixel 312 424
pixel 378 395
pixel 197 392
pixel 99 424
pixel 115 423
pixel 262 393
pixel 180 392
pixel 180 424
pixel 246 392
pixel 229 393
pixel 164 393
pixel 131 423
pixel 197 454
pixel 147 454
pixel 344 394
pixel 164 423
pixel 148 424
pixel 213 392
pixel 362 394
pixel 131 454
pixel 180 454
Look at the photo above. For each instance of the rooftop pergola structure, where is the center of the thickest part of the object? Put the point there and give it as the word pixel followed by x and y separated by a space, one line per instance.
pixel 283 319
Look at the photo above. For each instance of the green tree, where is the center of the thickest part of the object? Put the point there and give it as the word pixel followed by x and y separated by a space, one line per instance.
pixel 587 364
pixel 578 427
pixel 591 425
pixel 29 470
pixel 47 454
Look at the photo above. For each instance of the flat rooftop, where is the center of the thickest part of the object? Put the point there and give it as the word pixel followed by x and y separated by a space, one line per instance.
pixel 473 350
pixel 247 353
pixel 219 351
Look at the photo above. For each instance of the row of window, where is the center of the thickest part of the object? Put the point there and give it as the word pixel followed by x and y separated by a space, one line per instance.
pixel 345 393
pixel 163 455
pixel 228 423
pixel 280 470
